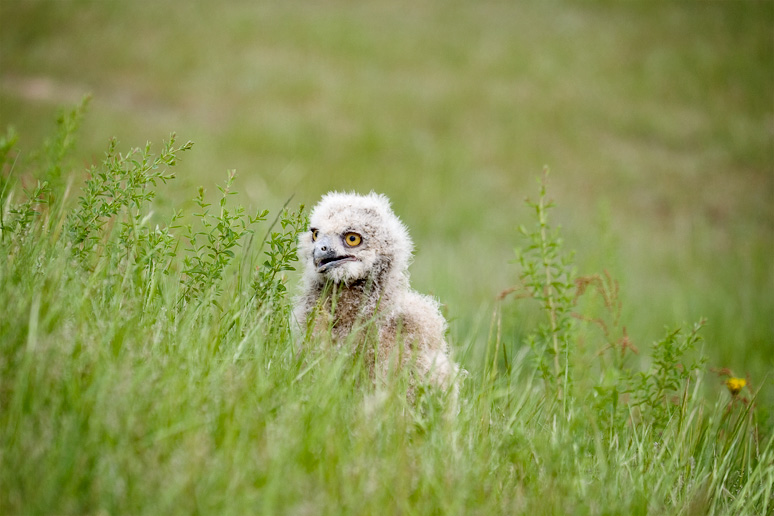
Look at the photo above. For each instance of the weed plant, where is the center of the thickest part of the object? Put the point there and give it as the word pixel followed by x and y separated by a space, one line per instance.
pixel 147 367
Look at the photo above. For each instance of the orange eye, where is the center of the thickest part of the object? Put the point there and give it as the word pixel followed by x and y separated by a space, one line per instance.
pixel 314 235
pixel 352 239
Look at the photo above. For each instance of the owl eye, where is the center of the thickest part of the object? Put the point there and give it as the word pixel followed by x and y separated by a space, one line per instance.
pixel 352 239
pixel 314 234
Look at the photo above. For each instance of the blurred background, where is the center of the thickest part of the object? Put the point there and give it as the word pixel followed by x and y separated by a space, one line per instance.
pixel 655 118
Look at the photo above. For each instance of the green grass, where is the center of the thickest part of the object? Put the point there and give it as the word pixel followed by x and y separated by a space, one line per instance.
pixel 144 373
pixel 655 119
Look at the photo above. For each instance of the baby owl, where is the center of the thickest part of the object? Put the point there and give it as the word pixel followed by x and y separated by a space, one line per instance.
pixel 356 256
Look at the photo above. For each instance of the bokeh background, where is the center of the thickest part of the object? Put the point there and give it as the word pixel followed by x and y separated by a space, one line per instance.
pixel 655 118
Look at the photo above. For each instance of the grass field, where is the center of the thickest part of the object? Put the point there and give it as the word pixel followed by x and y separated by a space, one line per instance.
pixel 137 377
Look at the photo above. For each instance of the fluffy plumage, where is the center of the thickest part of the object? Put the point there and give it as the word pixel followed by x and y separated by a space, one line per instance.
pixel 356 256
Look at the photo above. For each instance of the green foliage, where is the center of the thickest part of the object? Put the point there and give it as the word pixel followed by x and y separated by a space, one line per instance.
pixel 142 376
pixel 548 277
pixel 47 167
pixel 269 284
pixel 660 391
pixel 660 412
pixel 211 248
pixel 54 151
pixel 16 223
pixel 280 254
pixel 120 191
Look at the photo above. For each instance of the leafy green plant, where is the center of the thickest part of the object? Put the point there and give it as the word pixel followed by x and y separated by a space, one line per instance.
pixel 120 191
pixel 46 166
pixel 52 155
pixel 212 248
pixel 547 276
pixel 281 253
pixel 660 391
pixel 17 222
pixel 269 285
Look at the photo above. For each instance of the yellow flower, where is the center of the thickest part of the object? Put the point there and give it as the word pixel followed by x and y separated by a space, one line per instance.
pixel 735 385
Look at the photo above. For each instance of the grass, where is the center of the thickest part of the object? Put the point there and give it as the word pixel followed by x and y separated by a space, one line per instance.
pixel 140 377
pixel 655 119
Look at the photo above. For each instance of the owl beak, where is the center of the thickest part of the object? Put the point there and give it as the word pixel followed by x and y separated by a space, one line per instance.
pixel 325 256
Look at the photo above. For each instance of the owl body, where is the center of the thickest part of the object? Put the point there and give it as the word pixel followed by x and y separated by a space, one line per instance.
pixel 355 286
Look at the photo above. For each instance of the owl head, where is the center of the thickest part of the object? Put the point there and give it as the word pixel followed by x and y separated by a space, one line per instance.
pixel 353 237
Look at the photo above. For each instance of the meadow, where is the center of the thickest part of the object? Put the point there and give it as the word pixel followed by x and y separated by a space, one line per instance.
pixel 147 364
